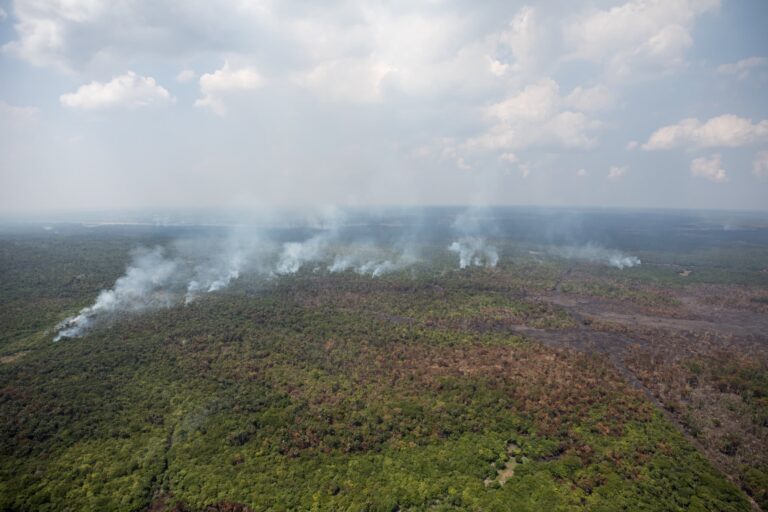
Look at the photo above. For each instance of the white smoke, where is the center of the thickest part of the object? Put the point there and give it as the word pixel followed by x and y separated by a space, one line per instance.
pixel 192 267
pixel 597 254
pixel 296 254
pixel 388 266
pixel 621 261
pixel 475 220
pixel 368 259
pixel 378 268
pixel 212 278
pixel 154 280
pixel 215 272
pixel 472 247
pixel 145 285
pixel 473 250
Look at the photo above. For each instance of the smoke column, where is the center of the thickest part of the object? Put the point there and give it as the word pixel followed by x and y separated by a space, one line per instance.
pixel 144 286
pixel 366 259
pixel 596 254
pixel 214 278
pixel 296 254
pixel 474 251
pixel 472 246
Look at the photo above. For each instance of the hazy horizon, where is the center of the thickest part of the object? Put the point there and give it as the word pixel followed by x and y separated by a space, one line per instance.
pixel 279 214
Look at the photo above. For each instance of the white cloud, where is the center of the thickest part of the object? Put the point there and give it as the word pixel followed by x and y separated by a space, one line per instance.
pixel 343 52
pixel 760 165
pixel 616 172
pixel 44 28
pixel 638 34
pixel 742 68
pixel 509 158
pixel 722 131
pixel 18 114
pixel 215 86
pixel 352 80
pixel 709 168
pixel 520 40
pixel 461 164
pixel 129 90
pixel 581 173
pixel 186 75
pixel 3 14
pixel 97 35
pixel 497 67
pixel 632 145
pixel 591 99
pixel 374 49
pixel 535 117
pixel 429 45
pixel 13 118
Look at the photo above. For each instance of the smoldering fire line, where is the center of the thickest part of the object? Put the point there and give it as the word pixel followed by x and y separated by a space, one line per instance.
pixel 156 280
pixel 596 254
pixel 161 277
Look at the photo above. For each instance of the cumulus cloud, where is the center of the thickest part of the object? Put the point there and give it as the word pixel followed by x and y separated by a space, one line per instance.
pixel 510 158
pixel 341 51
pixel 760 165
pixel 616 172
pixel 722 131
pixel 18 114
pixel 520 40
pixel 637 34
pixel 590 99
pixel 186 75
pixel 217 85
pixel 374 50
pixel 402 76
pixel 535 116
pixel 44 29
pixel 75 35
pixel 743 68
pixel 129 90
pixel 349 80
pixel 581 173
pixel 709 168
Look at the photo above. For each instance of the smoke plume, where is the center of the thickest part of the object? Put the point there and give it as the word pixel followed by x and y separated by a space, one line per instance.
pixel 212 278
pixel 474 251
pixel 372 261
pixel 296 254
pixel 472 246
pixel 597 254
pixel 145 285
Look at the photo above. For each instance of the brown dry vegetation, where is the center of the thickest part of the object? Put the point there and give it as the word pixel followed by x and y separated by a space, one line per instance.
pixel 704 359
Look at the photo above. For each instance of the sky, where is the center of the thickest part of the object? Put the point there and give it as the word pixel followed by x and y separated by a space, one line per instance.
pixel 132 104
